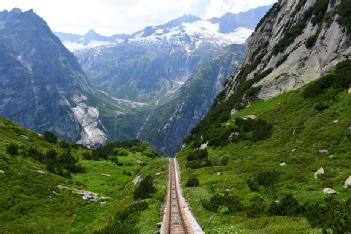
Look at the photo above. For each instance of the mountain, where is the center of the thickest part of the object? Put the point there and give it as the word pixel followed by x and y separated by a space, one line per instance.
pixel 44 88
pixel 89 40
pixel 156 60
pixel 272 153
pixel 172 120
pixel 249 19
pixel 160 64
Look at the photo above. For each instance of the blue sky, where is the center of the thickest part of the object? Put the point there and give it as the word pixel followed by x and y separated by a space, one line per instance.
pixel 124 16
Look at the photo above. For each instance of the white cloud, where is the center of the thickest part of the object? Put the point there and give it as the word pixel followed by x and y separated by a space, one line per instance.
pixel 122 16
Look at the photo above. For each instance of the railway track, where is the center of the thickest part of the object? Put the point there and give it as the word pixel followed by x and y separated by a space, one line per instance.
pixel 177 217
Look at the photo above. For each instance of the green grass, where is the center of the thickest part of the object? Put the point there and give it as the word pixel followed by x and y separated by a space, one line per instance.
pixel 299 132
pixel 31 202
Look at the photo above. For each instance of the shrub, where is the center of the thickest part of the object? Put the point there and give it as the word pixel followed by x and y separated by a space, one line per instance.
pixel 265 178
pixel 317 88
pixel 260 128
pixel 125 221
pixel 255 206
pixel 87 155
pixel 262 131
pixel 65 144
pixel 311 41
pixel 145 189
pixel 330 214
pixel 251 93
pixel 115 160
pixel 197 154
pixel 196 164
pixel 50 137
pixel 344 12
pixel 321 107
pixel 348 133
pixel 319 10
pixel 121 152
pixel 192 182
pixel 35 154
pixel 288 206
pixel 12 149
pixel 221 202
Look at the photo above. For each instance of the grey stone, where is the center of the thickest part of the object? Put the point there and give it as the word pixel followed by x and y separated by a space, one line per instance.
pixel 319 172
pixel 329 191
pixel 347 182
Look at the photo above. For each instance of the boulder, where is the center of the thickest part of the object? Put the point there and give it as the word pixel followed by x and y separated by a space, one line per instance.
pixel 24 137
pixel 158 174
pixel 40 171
pixel 233 111
pixel 105 174
pixel 349 90
pixel 252 117
pixel 219 173
pixel 329 191
pixel 141 163
pixel 323 151
pixel 2 172
pixel 293 150
pixel 283 164
pixel 336 121
pixel 319 172
pixel 347 182
pixel 61 187
pixel 204 146
pixel 139 179
pixel 87 195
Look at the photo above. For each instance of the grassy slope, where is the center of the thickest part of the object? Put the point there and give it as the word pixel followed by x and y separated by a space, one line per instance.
pixel 28 203
pixel 299 132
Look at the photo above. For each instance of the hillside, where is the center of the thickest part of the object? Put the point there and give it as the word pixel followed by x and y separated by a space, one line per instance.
pixel 295 144
pixel 40 180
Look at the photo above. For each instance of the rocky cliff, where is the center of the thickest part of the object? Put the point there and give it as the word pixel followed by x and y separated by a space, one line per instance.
pixel 294 44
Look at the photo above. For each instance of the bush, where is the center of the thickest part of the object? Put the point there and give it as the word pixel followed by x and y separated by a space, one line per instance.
pixel 125 221
pixel 288 206
pixel 317 88
pixel 12 149
pixel 65 144
pixel 265 178
pixel 321 107
pixel 260 128
pixel 50 137
pixel 319 10
pixel 145 189
pixel 115 160
pixel 311 41
pixel 87 155
pixel 331 214
pixel 262 131
pixel 121 152
pixel 197 154
pixel 344 12
pixel 192 182
pixel 255 206
pixel 223 202
pixel 196 164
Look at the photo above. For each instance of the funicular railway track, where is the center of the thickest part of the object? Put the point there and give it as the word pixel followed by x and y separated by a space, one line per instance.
pixel 176 220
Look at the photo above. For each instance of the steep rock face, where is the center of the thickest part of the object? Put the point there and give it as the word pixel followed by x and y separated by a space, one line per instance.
pixel 171 122
pixel 40 78
pixel 296 42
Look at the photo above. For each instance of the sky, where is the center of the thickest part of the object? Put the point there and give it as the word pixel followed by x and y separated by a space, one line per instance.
pixel 110 17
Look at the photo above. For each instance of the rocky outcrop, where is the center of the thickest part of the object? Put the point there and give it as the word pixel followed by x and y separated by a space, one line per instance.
pixel 292 47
